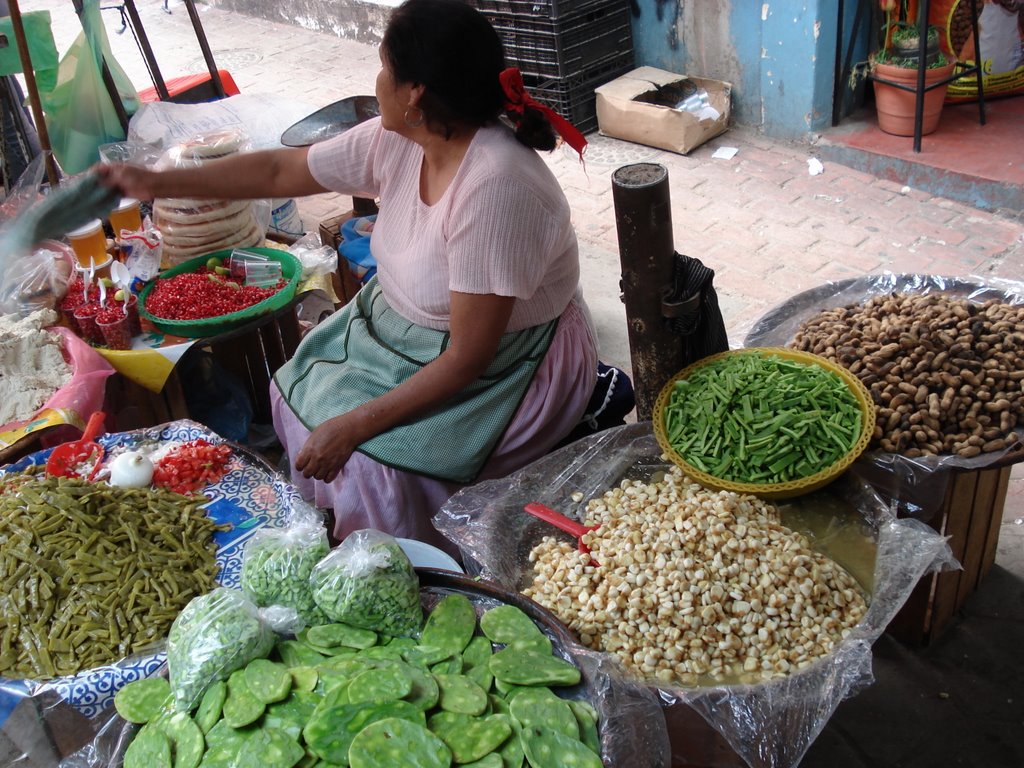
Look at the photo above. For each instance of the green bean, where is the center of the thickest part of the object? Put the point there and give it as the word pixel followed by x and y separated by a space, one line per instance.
pixel 760 418
pixel 77 565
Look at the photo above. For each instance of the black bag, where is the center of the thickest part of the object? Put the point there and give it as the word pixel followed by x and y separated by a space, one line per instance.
pixel 691 309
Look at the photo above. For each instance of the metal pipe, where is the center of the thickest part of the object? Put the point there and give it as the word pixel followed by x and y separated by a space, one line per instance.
pixel 204 45
pixel 147 50
pixel 643 221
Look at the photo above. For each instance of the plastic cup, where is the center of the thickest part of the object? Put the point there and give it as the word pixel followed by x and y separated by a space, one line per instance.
pixel 126 216
pixel 88 328
pixel 134 321
pixel 116 329
pixel 89 244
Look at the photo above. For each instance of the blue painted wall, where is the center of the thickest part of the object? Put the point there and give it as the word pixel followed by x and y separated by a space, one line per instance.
pixel 780 55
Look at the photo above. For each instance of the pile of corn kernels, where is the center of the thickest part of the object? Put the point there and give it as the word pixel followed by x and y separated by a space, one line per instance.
pixel 688 585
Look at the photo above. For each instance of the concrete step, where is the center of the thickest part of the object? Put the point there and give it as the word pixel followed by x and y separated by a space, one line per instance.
pixel 963 160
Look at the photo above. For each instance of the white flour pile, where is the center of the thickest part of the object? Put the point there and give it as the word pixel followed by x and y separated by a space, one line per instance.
pixel 32 367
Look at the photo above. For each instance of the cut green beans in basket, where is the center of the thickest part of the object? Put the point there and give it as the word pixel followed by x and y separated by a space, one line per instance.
pixel 752 418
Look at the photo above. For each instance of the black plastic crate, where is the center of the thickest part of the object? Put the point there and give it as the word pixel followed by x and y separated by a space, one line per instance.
pixel 562 48
pixel 550 9
pixel 573 97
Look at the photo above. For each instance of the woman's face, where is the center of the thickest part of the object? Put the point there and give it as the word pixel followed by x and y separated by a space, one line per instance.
pixel 392 97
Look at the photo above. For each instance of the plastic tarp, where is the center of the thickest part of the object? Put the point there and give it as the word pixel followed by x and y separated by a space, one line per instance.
pixel 772 724
pixel 919 484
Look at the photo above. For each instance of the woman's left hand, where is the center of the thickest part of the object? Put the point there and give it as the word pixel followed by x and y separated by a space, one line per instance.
pixel 327 448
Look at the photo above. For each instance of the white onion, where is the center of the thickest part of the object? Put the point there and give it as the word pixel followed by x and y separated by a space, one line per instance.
pixel 131 470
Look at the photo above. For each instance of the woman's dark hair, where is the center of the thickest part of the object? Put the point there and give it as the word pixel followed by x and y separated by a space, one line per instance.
pixel 451 49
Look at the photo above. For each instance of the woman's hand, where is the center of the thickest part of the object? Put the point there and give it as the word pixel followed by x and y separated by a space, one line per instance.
pixel 328 447
pixel 477 324
pixel 130 180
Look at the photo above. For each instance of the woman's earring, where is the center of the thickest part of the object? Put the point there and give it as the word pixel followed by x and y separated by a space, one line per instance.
pixel 414 123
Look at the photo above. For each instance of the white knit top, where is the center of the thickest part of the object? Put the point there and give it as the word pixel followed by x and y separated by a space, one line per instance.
pixel 502 226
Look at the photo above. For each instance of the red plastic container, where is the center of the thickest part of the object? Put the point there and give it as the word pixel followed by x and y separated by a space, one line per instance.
pixel 192 89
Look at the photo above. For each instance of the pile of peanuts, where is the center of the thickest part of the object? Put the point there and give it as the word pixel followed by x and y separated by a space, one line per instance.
pixel 945 373
pixel 687 585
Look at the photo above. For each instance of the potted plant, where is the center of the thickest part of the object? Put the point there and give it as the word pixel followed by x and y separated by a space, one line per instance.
pixel 897 63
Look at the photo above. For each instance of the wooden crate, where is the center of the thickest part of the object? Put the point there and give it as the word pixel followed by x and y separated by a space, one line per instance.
pixel 967 508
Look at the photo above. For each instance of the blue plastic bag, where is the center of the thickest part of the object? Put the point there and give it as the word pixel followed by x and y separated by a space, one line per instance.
pixel 355 247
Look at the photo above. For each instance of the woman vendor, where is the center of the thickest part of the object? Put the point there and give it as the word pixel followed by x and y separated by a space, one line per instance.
pixel 470 354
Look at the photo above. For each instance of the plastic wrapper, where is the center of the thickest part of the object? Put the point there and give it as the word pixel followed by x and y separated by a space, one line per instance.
pixel 369 582
pixel 142 254
pixel 918 484
pixel 277 563
pixel 316 259
pixel 37 279
pixel 191 228
pixel 35 269
pixel 44 721
pixel 216 634
pixel 771 724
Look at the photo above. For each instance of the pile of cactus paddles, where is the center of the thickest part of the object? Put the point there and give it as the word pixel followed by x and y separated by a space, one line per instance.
pixel 463 691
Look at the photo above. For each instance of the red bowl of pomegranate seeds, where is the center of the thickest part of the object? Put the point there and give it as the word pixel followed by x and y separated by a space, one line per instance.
pixel 200 298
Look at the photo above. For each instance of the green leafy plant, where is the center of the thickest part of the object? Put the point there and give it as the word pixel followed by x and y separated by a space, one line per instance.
pixel 898 34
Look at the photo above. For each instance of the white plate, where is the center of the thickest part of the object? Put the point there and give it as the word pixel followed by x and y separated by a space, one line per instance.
pixel 424 555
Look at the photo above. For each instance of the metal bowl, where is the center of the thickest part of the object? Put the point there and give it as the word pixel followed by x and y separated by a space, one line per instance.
pixel 332 120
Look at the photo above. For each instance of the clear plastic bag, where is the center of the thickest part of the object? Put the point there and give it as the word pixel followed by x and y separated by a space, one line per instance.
pixel 37 280
pixel 277 563
pixel 35 269
pixel 316 259
pixel 369 582
pixel 770 725
pixel 192 228
pixel 213 636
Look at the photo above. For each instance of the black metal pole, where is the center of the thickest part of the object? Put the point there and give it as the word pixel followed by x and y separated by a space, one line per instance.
pixel 147 50
pixel 922 44
pixel 643 221
pixel 204 46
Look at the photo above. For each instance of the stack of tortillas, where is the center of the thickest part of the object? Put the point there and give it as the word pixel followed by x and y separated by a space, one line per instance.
pixel 193 228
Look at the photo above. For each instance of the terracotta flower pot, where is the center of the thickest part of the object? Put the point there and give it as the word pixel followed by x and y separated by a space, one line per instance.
pixel 895 106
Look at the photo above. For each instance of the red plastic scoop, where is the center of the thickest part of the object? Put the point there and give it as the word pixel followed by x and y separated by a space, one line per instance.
pixel 560 521
pixel 79 458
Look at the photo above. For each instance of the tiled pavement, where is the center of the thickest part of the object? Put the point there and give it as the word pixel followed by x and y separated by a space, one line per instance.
pixel 769 229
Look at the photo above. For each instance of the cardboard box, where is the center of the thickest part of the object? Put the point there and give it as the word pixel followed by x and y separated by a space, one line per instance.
pixel 641 106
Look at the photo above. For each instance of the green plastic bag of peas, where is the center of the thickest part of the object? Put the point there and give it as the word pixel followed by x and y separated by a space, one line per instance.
pixel 369 582
pixel 278 562
pixel 213 636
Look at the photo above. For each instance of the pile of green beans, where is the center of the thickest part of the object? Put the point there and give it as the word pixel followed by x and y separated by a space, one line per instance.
pixel 755 418
pixel 91 573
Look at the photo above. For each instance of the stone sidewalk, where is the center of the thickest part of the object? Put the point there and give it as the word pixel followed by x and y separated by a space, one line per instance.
pixel 769 229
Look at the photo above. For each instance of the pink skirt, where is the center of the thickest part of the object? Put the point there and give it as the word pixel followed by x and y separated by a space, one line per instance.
pixel 366 494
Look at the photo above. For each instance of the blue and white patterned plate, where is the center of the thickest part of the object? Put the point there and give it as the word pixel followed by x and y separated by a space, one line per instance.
pixel 250 496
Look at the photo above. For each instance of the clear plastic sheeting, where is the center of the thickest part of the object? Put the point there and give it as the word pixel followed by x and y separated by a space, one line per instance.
pixel 44 721
pixel 919 484
pixel 771 724
pixel 631 726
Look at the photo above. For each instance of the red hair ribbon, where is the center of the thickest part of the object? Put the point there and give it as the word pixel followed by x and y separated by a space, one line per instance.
pixel 517 100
